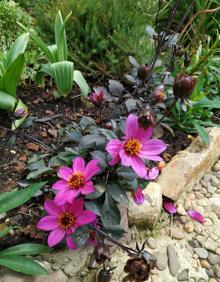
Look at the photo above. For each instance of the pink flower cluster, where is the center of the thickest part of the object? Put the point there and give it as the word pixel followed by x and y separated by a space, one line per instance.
pixel 65 212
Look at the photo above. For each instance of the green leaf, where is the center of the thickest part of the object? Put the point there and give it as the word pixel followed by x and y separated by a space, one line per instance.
pixel 39 172
pixel 21 264
pixel 17 49
pixel 11 76
pixel 62 73
pixel 117 193
pixel 115 231
pixel 15 198
pixel 201 131
pixel 110 212
pixel 4 231
pixel 93 206
pixel 17 123
pixel 81 235
pixel 7 102
pixel 26 249
pixel 81 82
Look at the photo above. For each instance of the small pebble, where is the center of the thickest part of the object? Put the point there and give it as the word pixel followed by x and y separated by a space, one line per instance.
pixel 212 280
pixel 210 272
pixel 216 270
pixel 183 275
pixel 205 264
pixel 152 243
pixel 199 195
pixel 183 219
pixel 189 227
pixel 217 251
pixel 155 278
pixel 217 174
pixel 216 167
pixel 201 252
pixel 204 184
pixel 176 233
pixel 187 204
pixel 180 210
pixel 173 261
pixel 213 258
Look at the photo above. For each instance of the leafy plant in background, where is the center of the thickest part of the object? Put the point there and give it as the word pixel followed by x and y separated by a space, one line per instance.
pixel 11 67
pixel 59 68
pixel 15 257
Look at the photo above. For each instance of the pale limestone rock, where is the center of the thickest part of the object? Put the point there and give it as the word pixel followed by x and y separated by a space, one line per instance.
pixel 146 214
pixel 188 166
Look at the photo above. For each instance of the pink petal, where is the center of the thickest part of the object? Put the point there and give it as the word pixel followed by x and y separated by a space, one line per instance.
pixel 51 207
pixel 196 216
pixel 152 173
pixel 144 135
pixel 60 184
pixel 153 147
pixel 65 172
pixel 87 188
pixel 70 243
pixel 125 158
pixel 91 169
pixel 85 217
pixel 138 166
pixel 113 147
pixel 55 237
pixel 78 165
pixel 131 126
pixel 77 206
pixel 48 223
pixel 71 195
pixel 114 161
pixel 138 196
pixel 151 158
pixel 61 197
pixel 169 206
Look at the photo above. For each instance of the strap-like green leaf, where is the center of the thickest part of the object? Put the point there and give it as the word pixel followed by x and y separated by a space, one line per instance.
pixel 17 49
pixel 201 131
pixel 21 264
pixel 4 231
pixel 81 82
pixel 15 198
pixel 26 249
pixel 7 102
pixel 63 76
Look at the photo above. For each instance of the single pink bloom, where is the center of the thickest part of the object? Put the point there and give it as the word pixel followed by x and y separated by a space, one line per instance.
pixel 138 196
pixel 152 173
pixel 75 181
pixel 97 97
pixel 169 206
pixel 63 220
pixel 135 147
pixel 196 216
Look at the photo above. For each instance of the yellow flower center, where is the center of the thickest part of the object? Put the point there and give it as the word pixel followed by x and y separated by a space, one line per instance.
pixel 76 180
pixel 66 220
pixel 132 146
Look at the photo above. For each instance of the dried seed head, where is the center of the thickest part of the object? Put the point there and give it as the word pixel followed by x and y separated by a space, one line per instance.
pixel 138 269
pixel 102 253
pixel 147 119
pixel 183 86
pixel 143 71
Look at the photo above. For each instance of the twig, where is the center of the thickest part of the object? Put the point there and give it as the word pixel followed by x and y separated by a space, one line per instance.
pixel 166 112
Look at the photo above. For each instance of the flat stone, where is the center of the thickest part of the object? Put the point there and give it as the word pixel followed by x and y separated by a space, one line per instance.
pixel 213 258
pixel 147 214
pixel 176 233
pixel 188 166
pixel 201 252
pixel 152 243
pixel 173 261
pixel 183 275
pixel 161 260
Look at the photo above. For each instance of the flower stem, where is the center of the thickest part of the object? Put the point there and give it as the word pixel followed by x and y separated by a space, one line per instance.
pixel 166 112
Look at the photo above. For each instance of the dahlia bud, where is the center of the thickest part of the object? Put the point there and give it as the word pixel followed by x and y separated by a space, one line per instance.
pixel 183 86
pixel 97 97
pixel 19 113
pixel 147 119
pixel 159 93
pixel 102 253
pixel 143 71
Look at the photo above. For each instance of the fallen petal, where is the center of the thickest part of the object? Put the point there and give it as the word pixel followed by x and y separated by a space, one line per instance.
pixel 169 206
pixel 196 216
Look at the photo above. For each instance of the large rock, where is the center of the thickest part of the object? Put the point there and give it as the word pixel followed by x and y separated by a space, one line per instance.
pixel 146 214
pixel 188 166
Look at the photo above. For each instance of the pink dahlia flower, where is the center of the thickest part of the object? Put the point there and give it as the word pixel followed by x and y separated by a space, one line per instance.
pixel 63 220
pixel 138 196
pixel 97 97
pixel 135 147
pixel 75 181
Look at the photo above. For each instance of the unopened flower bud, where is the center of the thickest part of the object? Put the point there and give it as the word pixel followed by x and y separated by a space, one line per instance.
pixel 20 113
pixel 143 71
pixel 109 126
pixel 102 253
pixel 183 86
pixel 138 196
pixel 147 119
pixel 97 98
pixel 159 93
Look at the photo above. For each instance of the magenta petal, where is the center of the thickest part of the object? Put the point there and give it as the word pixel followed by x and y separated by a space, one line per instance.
pixel 78 165
pixel 91 169
pixel 51 207
pixel 55 237
pixel 144 135
pixel 138 196
pixel 196 216
pixel 71 195
pixel 48 223
pixel 153 147
pixel 70 243
pixel 125 158
pixel 131 126
pixel 169 206
pixel 77 206
pixel 114 161
pixel 85 217
pixel 152 173
pixel 113 147
pixel 87 188
pixel 61 197
pixel 65 172
pixel 60 184
pixel 151 158
pixel 138 166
